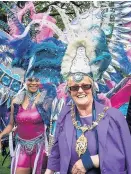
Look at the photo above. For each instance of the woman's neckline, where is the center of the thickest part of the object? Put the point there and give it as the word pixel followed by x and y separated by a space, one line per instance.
pixel 26 109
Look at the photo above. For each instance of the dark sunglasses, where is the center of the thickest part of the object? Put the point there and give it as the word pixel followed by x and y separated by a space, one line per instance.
pixel 31 79
pixel 77 87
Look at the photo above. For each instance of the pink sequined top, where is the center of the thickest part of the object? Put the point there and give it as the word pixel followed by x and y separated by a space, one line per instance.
pixel 29 123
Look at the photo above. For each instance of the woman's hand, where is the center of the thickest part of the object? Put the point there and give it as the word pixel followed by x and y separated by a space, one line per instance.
pixel 78 168
pixel 48 171
pixel 95 160
pixel 0 143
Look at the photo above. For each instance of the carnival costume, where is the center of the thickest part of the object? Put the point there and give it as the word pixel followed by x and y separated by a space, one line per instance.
pixel 36 55
pixel 31 136
pixel 88 54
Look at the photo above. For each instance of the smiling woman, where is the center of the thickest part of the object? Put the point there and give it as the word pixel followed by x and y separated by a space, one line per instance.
pixel 28 114
pixel 33 82
pixel 81 91
pixel 90 138
pixel 33 92
pixel 85 128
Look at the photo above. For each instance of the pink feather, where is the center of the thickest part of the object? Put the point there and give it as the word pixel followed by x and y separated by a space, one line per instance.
pixel 61 91
pixel 44 32
pixel 104 99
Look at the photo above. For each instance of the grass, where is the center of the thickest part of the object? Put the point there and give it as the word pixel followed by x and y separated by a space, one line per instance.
pixel 5 168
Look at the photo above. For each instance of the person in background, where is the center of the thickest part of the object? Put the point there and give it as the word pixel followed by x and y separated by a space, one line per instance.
pixel 57 105
pixel 128 117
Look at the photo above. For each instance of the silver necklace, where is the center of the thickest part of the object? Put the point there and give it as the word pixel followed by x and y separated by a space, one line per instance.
pixel 31 96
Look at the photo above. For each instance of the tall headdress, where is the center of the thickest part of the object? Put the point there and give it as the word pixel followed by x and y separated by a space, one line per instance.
pixel 30 48
pixel 96 47
pixel 98 43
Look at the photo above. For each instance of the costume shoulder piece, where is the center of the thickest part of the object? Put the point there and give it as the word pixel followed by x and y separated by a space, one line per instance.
pixel 20 97
pixel 42 97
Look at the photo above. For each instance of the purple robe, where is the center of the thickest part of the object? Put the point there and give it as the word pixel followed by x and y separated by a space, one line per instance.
pixel 114 142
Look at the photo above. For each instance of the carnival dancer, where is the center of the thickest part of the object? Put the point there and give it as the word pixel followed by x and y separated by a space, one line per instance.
pixel 28 113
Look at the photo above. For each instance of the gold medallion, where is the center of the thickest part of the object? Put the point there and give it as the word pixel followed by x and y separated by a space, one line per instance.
pixel 81 145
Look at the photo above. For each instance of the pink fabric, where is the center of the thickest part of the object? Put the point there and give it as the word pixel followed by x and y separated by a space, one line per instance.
pixel 41 161
pixel 29 123
pixel 61 91
pixel 104 99
pixel 44 32
pixel 122 96
pixel 110 83
pixel 27 161
pixel 28 7
pixel 29 126
pixel 128 24
pixel 129 55
pixel 14 30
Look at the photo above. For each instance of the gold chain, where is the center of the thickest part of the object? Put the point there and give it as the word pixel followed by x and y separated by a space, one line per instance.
pixel 81 142
pixel 86 127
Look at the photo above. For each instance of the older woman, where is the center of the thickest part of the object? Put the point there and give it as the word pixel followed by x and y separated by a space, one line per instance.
pixel 28 113
pixel 90 138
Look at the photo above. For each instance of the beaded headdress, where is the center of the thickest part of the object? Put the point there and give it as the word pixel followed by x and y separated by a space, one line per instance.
pixel 95 46
pixel 98 43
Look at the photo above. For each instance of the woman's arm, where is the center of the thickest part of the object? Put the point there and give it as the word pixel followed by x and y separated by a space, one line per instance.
pixel 126 139
pixel 10 126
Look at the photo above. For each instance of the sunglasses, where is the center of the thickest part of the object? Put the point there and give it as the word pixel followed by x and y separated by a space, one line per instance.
pixel 77 87
pixel 31 79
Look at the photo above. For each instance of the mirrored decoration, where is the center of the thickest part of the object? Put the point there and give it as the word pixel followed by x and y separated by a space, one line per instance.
pixel 15 86
pixel 6 80
pixel 77 77
pixel 1 72
pixel 4 94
